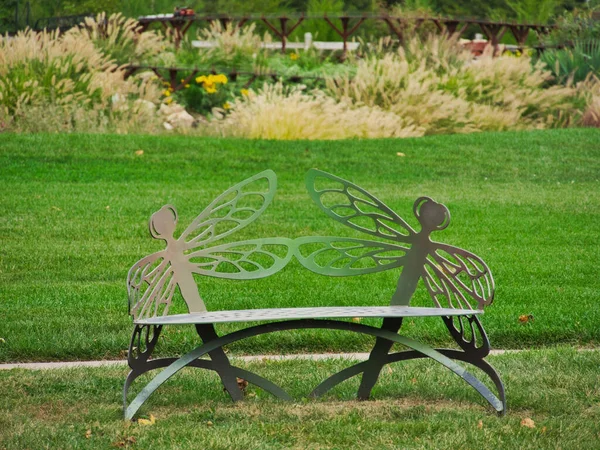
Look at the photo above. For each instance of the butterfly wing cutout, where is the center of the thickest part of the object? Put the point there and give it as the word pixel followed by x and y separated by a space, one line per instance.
pixel 150 286
pixel 455 277
pixel 243 260
pixel 231 211
pixel 340 256
pixel 356 208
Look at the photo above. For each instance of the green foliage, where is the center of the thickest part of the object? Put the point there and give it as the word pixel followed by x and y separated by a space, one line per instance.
pixel 574 64
pixel 65 82
pixel 321 30
pixel 417 6
pixel 136 8
pixel 206 92
pixel 248 6
pixel 533 11
pixel 572 26
pixel 435 87
pixel 472 8
pixel 311 63
pixel 234 47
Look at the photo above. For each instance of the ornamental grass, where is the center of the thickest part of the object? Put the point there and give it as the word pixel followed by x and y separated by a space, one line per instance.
pixel 63 82
pixel 438 86
pixel 277 112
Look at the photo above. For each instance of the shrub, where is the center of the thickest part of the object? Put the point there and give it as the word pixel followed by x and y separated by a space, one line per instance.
pixel 276 112
pixel 206 92
pixel 573 26
pixel 237 47
pixel 574 64
pixel 438 87
pixel 121 38
pixel 53 82
pixel 590 91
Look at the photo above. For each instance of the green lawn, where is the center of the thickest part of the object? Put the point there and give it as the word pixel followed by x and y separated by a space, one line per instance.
pixel 416 405
pixel 74 212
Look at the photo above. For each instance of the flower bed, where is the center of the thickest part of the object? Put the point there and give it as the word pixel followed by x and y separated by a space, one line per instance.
pixel 77 81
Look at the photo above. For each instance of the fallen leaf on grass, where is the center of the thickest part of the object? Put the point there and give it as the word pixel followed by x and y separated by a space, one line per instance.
pixel 527 422
pixel 56 208
pixel 356 319
pixel 413 381
pixel 209 423
pixel 152 421
pixel 242 384
pixel 480 424
pixel 390 369
pixel 88 434
pixel 543 430
pixel 400 154
pixel 139 152
pixel 2 341
pixel 526 318
pixel 125 442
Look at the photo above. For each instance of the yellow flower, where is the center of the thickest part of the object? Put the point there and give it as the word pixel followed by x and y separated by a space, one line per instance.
pixel 245 92
pixel 221 78
pixel 226 106
pixel 209 82
pixel 167 93
pixel 187 86
pixel 169 100
pixel 294 56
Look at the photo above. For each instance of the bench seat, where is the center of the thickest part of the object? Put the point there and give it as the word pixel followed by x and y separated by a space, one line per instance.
pixel 257 315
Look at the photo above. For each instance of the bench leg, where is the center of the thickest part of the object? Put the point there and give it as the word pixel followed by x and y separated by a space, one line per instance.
pixel 360 367
pixel 378 358
pixel 469 335
pixel 221 362
pixel 251 377
pixel 258 330
pixel 143 340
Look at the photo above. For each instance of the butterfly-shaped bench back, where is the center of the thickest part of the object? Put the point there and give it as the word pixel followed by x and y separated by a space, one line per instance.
pixel 455 278
pixel 152 281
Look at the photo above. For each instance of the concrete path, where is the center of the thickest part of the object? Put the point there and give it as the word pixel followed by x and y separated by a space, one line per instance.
pixel 315 357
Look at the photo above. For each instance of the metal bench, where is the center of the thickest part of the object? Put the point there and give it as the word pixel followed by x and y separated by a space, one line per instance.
pixel 453 277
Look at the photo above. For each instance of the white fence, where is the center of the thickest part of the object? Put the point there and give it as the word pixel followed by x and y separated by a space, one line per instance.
pixel 307 44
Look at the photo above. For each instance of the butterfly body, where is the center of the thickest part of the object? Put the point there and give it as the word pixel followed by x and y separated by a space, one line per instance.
pixel 431 216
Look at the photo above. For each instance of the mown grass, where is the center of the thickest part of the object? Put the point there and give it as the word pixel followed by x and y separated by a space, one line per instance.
pixel 416 405
pixel 74 212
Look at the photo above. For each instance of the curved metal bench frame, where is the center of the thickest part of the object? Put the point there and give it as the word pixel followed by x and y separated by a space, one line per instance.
pixel 444 357
pixel 451 275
